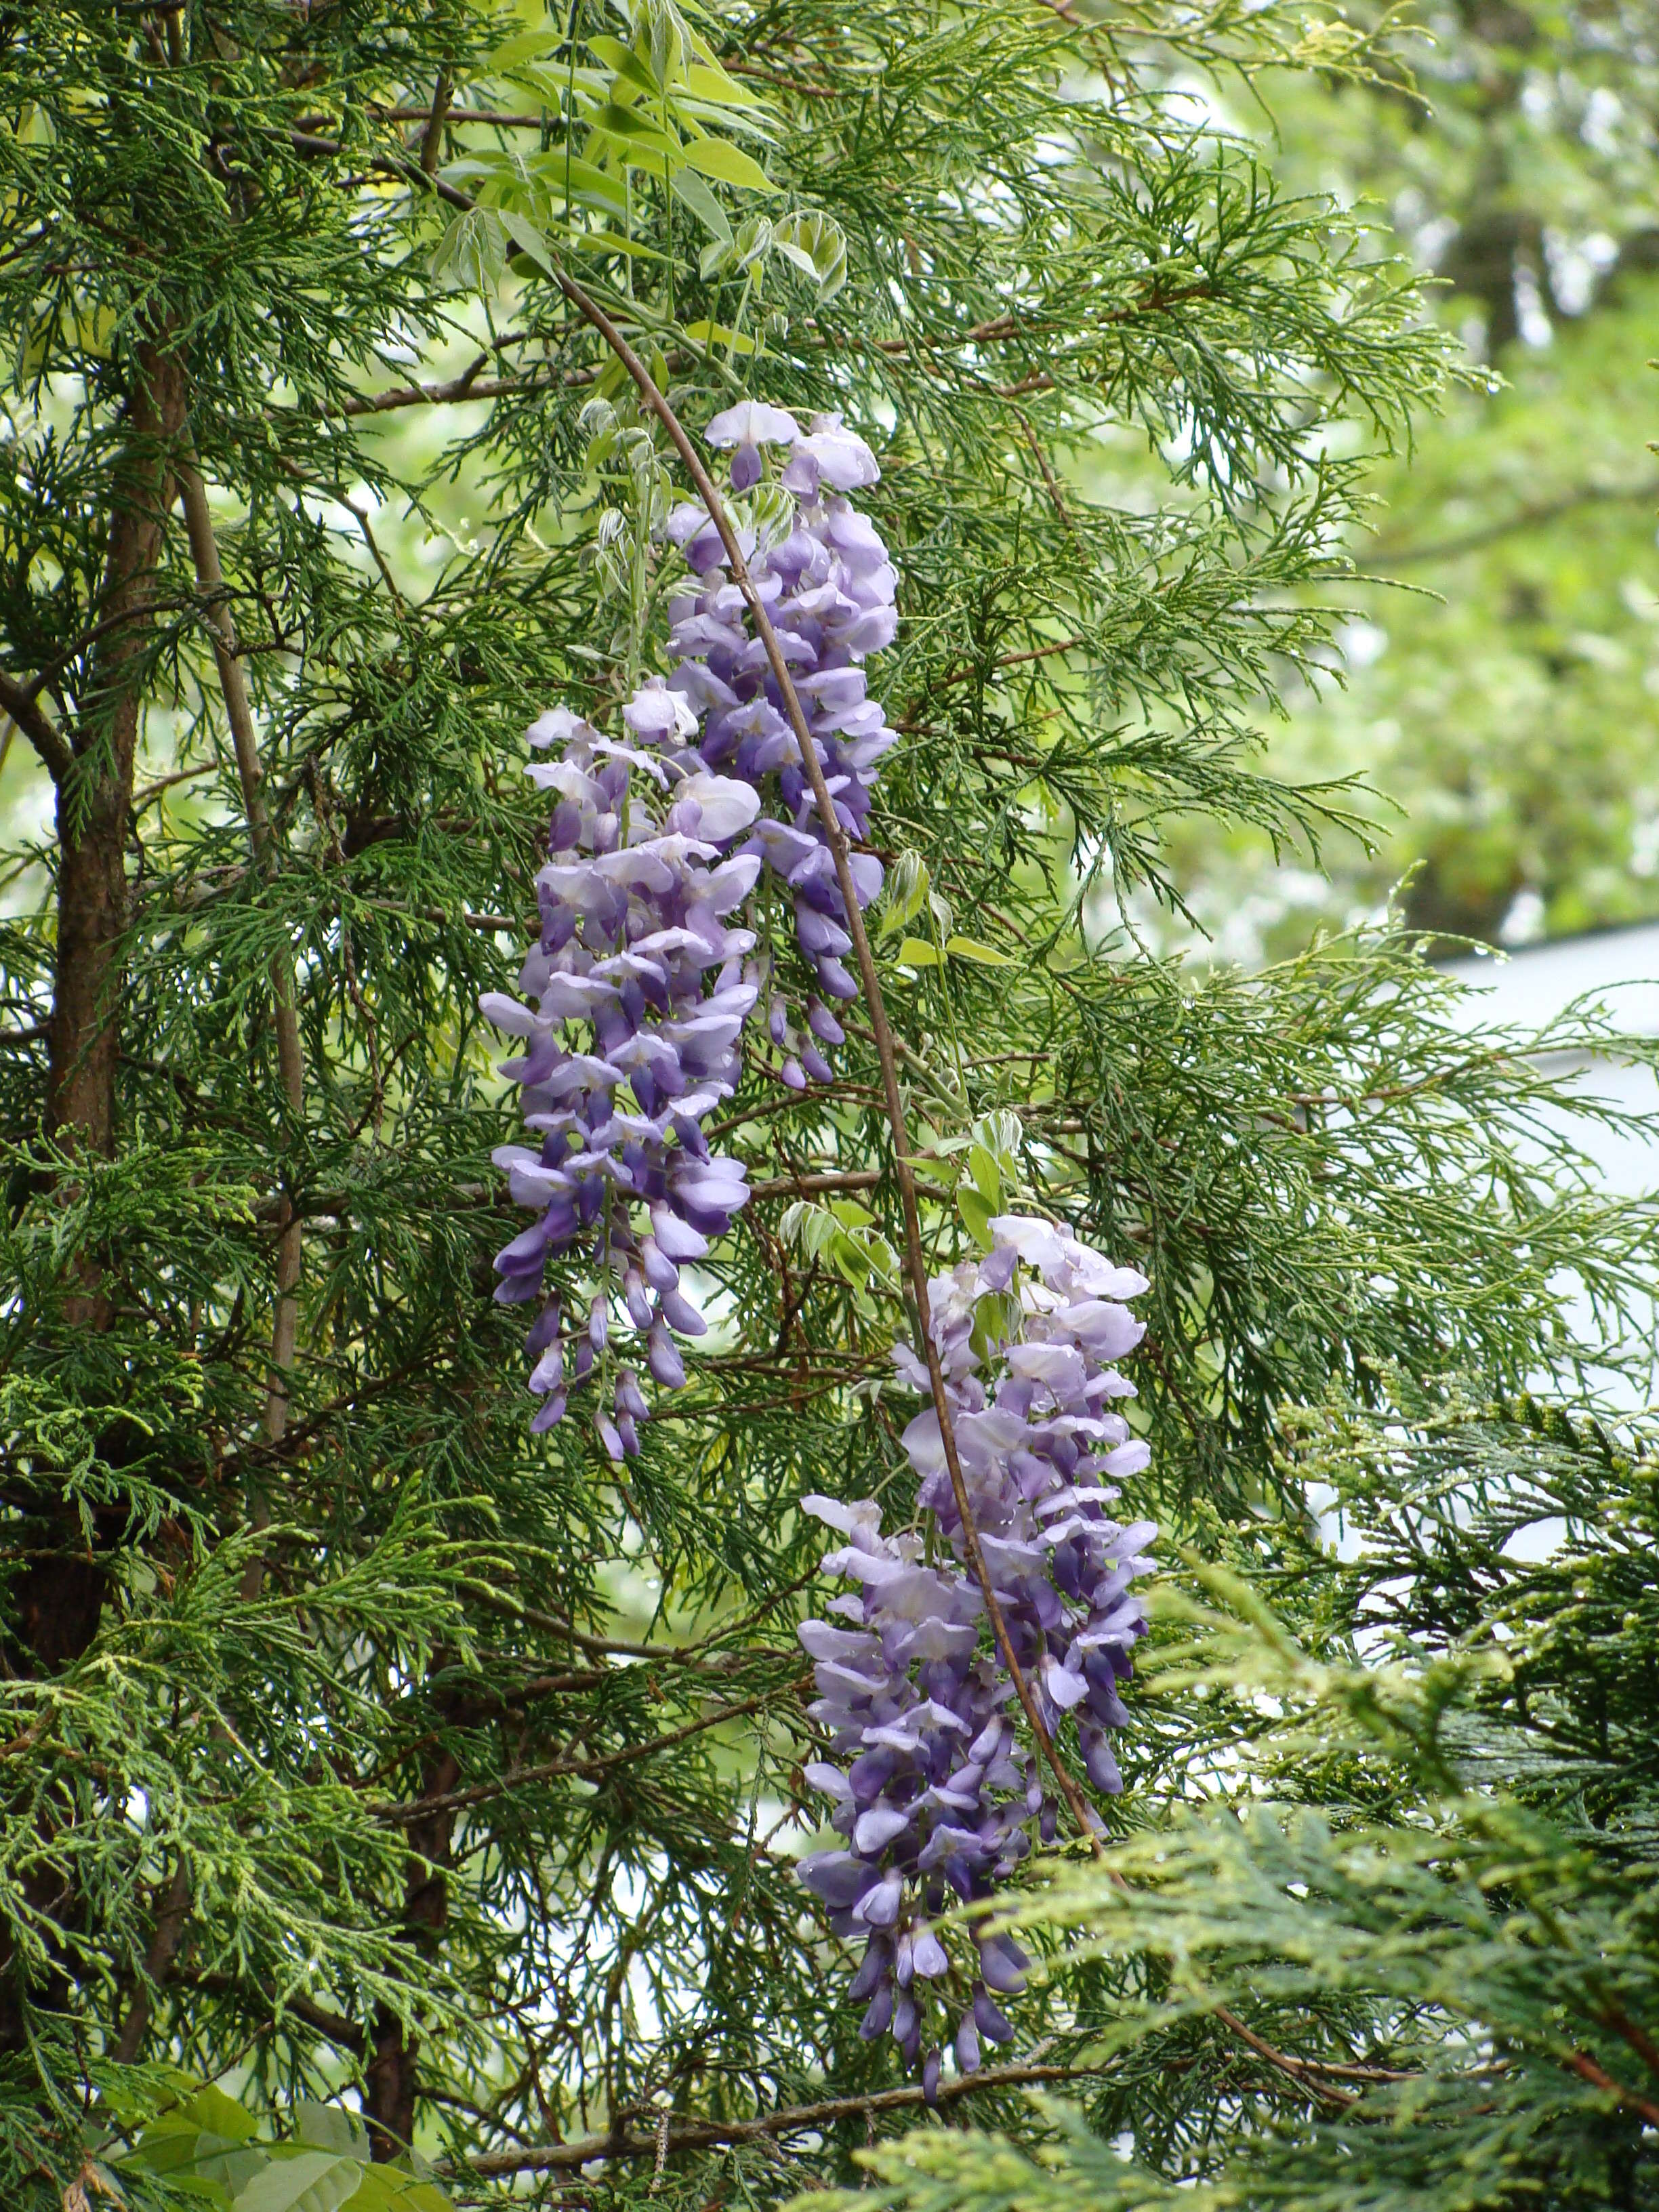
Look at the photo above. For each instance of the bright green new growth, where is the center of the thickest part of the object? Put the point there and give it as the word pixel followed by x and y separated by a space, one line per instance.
pixel 354 1742
pixel 1426 1888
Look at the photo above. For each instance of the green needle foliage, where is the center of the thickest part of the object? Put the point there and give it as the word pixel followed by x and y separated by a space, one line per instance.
pixel 359 1750
pixel 1408 1954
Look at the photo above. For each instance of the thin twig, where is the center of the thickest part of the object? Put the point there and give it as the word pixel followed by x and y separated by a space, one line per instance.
pixel 1048 476
pixel 708 2135
pixel 457 1800
pixel 152 791
pixel 1296 2069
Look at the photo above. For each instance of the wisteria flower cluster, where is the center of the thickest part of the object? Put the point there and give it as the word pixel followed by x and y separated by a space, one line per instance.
pixel 931 1784
pixel 633 1001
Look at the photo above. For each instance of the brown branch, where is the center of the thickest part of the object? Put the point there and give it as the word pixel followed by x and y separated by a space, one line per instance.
pixel 799 1186
pixel 152 791
pixel 290 1058
pixel 38 726
pixel 432 142
pixel 457 1800
pixel 1009 660
pixel 668 1654
pixel 1299 2070
pixel 1581 2063
pixel 467 386
pixel 170 1917
pixel 333 2025
pixel 1615 2017
pixel 1048 476
pixel 454 118
pixel 708 2135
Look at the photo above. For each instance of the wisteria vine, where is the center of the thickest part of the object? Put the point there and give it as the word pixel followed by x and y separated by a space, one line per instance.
pixel 641 986
pixel 656 842
pixel 930 1784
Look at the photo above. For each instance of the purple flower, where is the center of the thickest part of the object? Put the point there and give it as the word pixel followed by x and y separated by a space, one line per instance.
pixel 932 1788
pixel 631 1007
pixel 749 426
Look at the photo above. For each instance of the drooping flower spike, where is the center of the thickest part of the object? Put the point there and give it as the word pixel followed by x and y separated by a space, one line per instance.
pixel 633 1001
pixel 929 1782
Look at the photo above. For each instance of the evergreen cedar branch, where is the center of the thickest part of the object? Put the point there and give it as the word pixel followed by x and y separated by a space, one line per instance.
pixel 298 1772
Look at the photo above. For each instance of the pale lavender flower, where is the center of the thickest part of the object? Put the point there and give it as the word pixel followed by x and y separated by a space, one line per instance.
pixel 931 1786
pixel 631 1007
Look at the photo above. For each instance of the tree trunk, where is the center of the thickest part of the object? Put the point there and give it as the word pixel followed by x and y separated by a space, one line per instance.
pixel 390 2078
pixel 94 804
pixel 59 1598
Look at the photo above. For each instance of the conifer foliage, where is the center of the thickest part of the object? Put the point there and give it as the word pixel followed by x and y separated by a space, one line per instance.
pixel 405 1771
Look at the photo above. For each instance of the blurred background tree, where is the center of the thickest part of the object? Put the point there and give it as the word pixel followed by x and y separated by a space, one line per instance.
pixel 1501 692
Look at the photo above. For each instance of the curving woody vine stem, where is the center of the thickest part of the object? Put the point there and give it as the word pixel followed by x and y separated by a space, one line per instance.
pixel 915 1264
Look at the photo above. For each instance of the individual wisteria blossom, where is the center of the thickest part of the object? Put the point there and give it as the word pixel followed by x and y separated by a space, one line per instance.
pixel 633 1001
pixel 930 1782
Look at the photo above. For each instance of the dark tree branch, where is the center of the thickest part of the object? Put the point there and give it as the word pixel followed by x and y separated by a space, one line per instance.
pixel 170 1916
pixel 38 728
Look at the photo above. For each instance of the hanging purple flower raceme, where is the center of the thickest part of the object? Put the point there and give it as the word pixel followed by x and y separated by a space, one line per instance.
pixel 628 1047
pixel 637 990
pixel 931 1784
pixel 822 572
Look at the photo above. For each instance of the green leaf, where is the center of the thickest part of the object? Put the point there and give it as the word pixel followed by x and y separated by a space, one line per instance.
pixel 211 2108
pixel 850 1213
pixel 389 2189
pixel 988 1177
pixel 976 1212
pixel 716 334
pixel 713 84
pixel 849 1259
pixel 528 240
pixel 329 2127
pixel 906 887
pixel 526 46
pixel 969 948
pixel 624 62
pixel 313 2181
pixel 472 254
pixel 729 164
pixel 635 137
pixel 689 186
pixel 817 246
pixel 566 177
pixel 795 255
pixel 917 952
